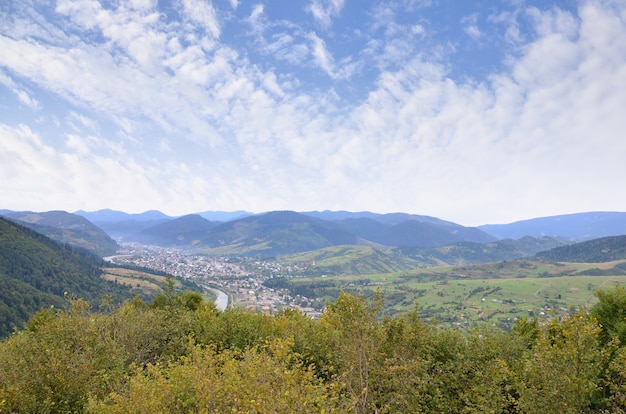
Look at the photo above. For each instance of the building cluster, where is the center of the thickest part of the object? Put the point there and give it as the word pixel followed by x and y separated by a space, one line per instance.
pixel 240 278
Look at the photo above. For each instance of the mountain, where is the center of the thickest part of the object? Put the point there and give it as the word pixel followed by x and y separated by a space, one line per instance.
pixel 340 215
pixel 402 229
pixel 182 231
pixel 604 249
pixel 113 215
pixel 462 253
pixel 276 233
pixel 580 226
pixel 414 233
pixel 224 215
pixel 286 232
pixel 37 272
pixel 364 260
pixel 124 226
pixel 68 228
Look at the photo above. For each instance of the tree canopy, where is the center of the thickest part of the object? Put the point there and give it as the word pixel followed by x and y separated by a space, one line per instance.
pixel 179 354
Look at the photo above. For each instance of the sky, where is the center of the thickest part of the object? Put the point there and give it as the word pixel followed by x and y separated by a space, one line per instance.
pixel 475 112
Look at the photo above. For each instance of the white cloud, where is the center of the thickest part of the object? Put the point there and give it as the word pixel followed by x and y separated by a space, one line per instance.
pixel 27 100
pixel 324 10
pixel 203 12
pixel 201 125
pixel 321 55
pixel 256 19
pixel 22 95
pixel 470 26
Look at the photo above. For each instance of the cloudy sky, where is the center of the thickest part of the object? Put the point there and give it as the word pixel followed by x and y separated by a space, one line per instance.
pixel 471 111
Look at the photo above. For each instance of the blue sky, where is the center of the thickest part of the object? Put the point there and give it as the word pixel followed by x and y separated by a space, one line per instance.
pixel 471 111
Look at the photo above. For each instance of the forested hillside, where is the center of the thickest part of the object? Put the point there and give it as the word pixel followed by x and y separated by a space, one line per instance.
pixel 604 249
pixel 68 228
pixel 37 272
pixel 179 354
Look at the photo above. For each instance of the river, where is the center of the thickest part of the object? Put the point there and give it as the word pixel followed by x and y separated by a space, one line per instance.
pixel 222 298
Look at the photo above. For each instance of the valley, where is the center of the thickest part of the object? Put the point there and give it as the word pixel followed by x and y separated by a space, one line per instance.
pixel 456 276
pixel 462 297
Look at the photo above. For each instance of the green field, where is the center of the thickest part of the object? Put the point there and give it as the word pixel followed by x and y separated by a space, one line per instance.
pixel 468 296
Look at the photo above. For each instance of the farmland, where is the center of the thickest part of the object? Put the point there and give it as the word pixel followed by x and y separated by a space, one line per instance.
pixel 469 296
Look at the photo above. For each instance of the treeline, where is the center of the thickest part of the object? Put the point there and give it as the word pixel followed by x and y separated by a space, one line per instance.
pixel 179 354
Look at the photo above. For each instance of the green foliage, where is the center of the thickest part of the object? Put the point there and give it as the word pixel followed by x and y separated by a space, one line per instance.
pixel 37 272
pixel 604 249
pixel 179 354
pixel 69 229
pixel 259 380
pixel 561 371
pixel 611 313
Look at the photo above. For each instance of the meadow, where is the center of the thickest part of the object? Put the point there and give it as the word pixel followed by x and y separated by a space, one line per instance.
pixel 495 294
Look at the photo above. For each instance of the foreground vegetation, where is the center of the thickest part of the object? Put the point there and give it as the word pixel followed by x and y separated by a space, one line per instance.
pixel 178 354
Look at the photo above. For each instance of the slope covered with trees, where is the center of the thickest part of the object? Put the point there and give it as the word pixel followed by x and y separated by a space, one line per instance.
pixel 604 249
pixel 68 228
pixel 181 355
pixel 37 272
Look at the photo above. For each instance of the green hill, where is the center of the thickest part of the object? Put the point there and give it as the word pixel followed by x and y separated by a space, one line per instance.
pixel 354 260
pixel 604 249
pixel 68 228
pixel 366 260
pixel 182 231
pixel 275 233
pixel 37 272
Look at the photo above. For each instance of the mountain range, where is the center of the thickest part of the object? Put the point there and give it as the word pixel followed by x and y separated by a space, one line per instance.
pixel 288 232
pixel 425 238
pixel 576 227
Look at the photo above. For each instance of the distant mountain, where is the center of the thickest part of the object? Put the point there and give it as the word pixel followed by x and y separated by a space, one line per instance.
pixel 400 229
pixel 37 272
pixel 387 218
pixel 462 253
pixel 581 226
pixel 604 249
pixel 68 228
pixel 286 232
pixel 276 233
pixel 113 215
pixel 123 226
pixel 224 215
pixel 182 231
pixel 340 215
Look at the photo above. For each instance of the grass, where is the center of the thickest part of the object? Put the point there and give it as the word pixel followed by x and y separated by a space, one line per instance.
pixel 494 294
pixel 147 282
pixel 500 301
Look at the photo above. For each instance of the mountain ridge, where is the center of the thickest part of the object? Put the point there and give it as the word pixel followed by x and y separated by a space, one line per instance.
pixel 69 228
pixel 576 226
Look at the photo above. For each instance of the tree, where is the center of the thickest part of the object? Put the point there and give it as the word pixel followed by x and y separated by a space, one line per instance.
pixel 354 337
pixel 560 373
pixel 610 312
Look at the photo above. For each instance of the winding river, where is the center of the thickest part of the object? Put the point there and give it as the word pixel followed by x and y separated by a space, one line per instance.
pixel 222 298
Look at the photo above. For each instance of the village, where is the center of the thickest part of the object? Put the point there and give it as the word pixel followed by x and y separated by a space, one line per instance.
pixel 241 279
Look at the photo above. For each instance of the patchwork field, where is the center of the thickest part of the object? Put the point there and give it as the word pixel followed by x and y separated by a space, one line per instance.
pixel 469 296
pixel 147 282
